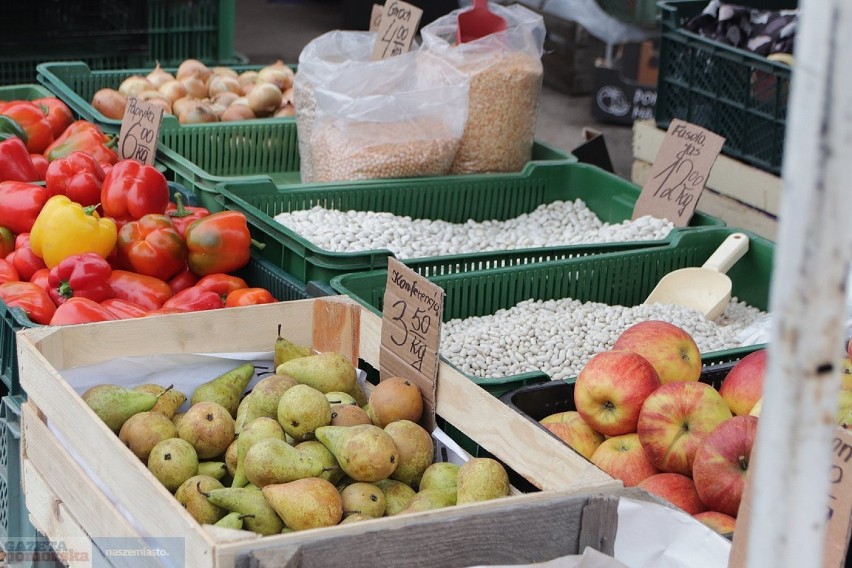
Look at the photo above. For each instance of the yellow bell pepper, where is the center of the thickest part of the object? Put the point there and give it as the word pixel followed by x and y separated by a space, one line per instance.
pixel 64 227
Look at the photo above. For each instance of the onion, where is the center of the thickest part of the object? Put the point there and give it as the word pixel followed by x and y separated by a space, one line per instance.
pixel 173 90
pixel 264 98
pixel 191 67
pixel 237 112
pixel 158 77
pixel 287 98
pixel 224 72
pixel 157 98
pixel 278 74
pixel 194 86
pixel 225 99
pixel 248 78
pixel 286 110
pixel 217 109
pixel 181 105
pixel 197 114
pixel 110 103
pixel 240 101
pixel 248 88
pixel 134 85
pixel 219 84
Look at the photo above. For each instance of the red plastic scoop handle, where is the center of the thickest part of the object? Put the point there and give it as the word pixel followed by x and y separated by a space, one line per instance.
pixel 478 22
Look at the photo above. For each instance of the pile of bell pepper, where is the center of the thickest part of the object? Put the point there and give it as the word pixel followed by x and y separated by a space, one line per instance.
pixel 101 239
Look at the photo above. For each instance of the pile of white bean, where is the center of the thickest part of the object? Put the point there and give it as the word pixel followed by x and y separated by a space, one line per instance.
pixel 558 223
pixel 558 337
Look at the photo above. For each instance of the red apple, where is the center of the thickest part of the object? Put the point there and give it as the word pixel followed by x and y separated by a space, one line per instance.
pixel 743 386
pixel 670 349
pixel 577 434
pixel 611 388
pixel 566 416
pixel 721 464
pixel 719 522
pixel 623 458
pixel 676 489
pixel 674 421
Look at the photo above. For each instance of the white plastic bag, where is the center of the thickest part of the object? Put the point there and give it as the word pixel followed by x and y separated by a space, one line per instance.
pixel 506 75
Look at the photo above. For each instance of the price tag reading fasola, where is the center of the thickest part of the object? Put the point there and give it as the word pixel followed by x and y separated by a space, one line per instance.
pixel 140 129
pixel 376 17
pixel 411 333
pixel 397 29
pixel 679 173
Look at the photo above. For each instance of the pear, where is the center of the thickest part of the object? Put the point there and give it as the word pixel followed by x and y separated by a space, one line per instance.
pixel 337 397
pixel 354 518
pixel 208 426
pixel 172 462
pixel 232 521
pixel 348 415
pixel 286 350
pixel 416 450
pixel 398 495
pixel 226 389
pixel 178 416
pixel 169 399
pixel 440 475
pixel 231 458
pixel 259 517
pixel 305 503
pixel 242 414
pixel 482 479
pixel 326 372
pixel 259 429
pixel 115 405
pixel 429 499
pixel 264 397
pixel 216 470
pixel 365 498
pixel 191 495
pixel 303 409
pixel 141 432
pixel 273 461
pixel 364 452
pixel 316 450
pixel 395 398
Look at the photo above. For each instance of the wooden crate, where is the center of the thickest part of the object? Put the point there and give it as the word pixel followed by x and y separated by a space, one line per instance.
pixel 65 502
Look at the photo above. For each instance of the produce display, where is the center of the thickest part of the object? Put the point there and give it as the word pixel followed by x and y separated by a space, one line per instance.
pixel 306 447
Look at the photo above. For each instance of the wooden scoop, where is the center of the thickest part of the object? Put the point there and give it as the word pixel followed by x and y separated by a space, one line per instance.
pixel 478 22
pixel 706 289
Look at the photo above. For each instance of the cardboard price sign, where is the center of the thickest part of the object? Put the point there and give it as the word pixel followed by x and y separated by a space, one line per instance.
pixel 397 29
pixel 376 17
pixel 411 333
pixel 679 173
pixel 140 130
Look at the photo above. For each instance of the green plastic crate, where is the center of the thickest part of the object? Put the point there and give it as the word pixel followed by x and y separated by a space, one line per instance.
pixel 452 198
pixel 735 93
pixel 14 519
pixel 639 12
pixel 618 278
pixel 23 92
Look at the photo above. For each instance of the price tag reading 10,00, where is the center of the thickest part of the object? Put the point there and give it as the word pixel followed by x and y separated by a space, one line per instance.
pixel 140 129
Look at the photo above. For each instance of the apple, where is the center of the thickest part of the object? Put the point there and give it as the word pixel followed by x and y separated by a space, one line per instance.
pixel 674 421
pixel 743 385
pixel 849 349
pixel 721 464
pixel 846 373
pixel 623 458
pixel 577 434
pixel 670 349
pixel 758 406
pixel 675 488
pixel 719 522
pixel 611 388
pixel 566 416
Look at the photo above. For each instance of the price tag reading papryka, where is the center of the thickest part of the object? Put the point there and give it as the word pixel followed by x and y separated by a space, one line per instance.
pixel 411 333
pixel 140 129
pixel 397 29
pixel 679 173
pixel 376 17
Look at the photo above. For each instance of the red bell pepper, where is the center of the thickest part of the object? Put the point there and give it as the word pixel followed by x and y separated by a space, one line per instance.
pixel 164 312
pixel 147 291
pixel 80 310
pixel 33 119
pixel 152 246
pixel 222 284
pixel 7 242
pixel 40 165
pixel 86 137
pixel 183 215
pixel 219 242
pixel 58 114
pixel 26 261
pixel 79 176
pixel 123 309
pixel 183 280
pixel 20 204
pixel 83 275
pixel 132 189
pixel 41 277
pixel 195 299
pixel 15 162
pixel 30 298
pixel 249 297
pixel 8 272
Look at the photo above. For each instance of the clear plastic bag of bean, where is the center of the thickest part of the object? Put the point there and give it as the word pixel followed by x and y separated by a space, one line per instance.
pixel 397 117
pixel 506 76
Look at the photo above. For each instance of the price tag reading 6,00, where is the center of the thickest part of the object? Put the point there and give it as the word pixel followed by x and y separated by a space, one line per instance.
pixel 140 129
pixel 396 29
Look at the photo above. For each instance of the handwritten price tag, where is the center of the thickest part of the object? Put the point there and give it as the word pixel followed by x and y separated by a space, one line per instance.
pixel 396 30
pixel 376 17
pixel 140 129
pixel 411 332
pixel 679 173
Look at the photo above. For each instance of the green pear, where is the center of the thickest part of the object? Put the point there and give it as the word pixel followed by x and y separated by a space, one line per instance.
pixel 273 461
pixel 305 503
pixel 365 498
pixel 364 452
pixel 398 495
pixel 231 521
pixel 141 432
pixel 115 405
pixel 326 372
pixel 169 399
pixel 172 462
pixel 178 416
pixel 301 410
pixel 354 518
pixel 231 457
pixel 209 427
pixel 259 517
pixel 482 479
pixel 316 450
pixel 337 397
pixel 259 429
pixel 416 450
pixel 429 499
pixel 242 414
pixel 264 397
pixel 348 415
pixel 226 389
pixel 216 470
pixel 440 475
pixel 191 495
pixel 286 350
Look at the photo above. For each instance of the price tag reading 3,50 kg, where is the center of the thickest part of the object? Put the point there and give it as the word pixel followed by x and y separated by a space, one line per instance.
pixel 140 129
pixel 411 332
pixel 397 29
